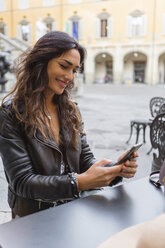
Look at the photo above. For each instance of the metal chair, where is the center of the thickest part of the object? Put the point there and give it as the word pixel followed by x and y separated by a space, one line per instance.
pixel 155 104
pixel 158 109
pixel 162 109
pixel 157 137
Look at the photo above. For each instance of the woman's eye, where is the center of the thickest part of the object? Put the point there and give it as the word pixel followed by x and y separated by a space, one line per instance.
pixel 63 66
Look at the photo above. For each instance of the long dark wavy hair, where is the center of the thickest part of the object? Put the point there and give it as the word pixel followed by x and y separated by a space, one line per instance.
pixel 32 80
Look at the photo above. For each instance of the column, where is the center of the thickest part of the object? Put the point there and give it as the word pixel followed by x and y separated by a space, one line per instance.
pixel 152 71
pixel 118 65
pixel 89 67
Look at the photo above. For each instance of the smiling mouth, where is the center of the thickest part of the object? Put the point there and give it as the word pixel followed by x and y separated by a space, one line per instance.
pixel 61 83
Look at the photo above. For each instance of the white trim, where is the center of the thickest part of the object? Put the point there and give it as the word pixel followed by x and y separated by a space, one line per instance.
pixel 19 33
pixel 69 27
pixel 97 28
pixel 109 27
pixel 47 3
pixel 23 4
pixel 144 25
pixel 74 1
pixel 30 33
pixel 80 29
pixel 163 30
pixel 6 30
pixel 2 5
pixel 129 26
pixel 53 26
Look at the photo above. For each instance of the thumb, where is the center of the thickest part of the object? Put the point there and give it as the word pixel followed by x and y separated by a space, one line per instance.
pixel 103 162
pixel 116 169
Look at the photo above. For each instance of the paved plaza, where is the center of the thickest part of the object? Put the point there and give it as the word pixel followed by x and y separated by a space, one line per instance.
pixel 107 110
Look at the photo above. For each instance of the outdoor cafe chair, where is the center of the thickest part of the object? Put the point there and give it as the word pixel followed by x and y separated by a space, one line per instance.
pixel 141 124
pixel 157 138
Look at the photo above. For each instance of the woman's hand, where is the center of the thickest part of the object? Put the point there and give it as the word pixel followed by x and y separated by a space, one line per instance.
pixel 98 175
pixel 129 167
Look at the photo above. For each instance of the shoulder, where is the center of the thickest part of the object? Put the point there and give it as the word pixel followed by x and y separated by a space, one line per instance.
pixel 9 124
pixel 7 113
pixel 6 107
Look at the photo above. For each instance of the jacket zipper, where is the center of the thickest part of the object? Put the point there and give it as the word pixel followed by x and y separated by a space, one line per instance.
pixel 56 148
pixel 45 143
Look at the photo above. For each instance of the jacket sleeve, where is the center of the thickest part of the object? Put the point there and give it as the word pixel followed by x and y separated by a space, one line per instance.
pixel 19 170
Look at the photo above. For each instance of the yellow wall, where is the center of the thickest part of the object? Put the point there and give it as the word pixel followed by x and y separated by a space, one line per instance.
pixel 118 47
pixel 88 11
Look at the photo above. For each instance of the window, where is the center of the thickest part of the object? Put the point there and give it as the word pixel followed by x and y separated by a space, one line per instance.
pixel 163 24
pixel 2 5
pixel 103 26
pixel 136 24
pixel 24 31
pixel 50 24
pixel 74 1
pixel 74 27
pixel 139 72
pixel 48 3
pixel 23 4
pixel 3 28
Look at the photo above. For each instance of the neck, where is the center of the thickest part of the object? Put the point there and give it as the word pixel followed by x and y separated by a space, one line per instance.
pixel 50 102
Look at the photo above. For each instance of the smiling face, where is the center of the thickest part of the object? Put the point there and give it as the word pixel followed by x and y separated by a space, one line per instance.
pixel 61 71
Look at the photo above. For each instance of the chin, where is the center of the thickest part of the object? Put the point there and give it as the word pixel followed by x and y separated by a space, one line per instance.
pixel 59 92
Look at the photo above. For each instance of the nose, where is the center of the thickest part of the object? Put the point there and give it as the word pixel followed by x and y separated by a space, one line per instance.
pixel 69 75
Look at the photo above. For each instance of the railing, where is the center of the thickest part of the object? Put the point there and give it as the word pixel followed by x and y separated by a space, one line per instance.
pixel 14 43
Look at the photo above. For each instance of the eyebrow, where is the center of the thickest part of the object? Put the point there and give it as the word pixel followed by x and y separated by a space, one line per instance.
pixel 69 63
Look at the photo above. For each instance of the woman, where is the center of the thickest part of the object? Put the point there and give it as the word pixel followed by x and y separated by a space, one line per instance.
pixel 46 158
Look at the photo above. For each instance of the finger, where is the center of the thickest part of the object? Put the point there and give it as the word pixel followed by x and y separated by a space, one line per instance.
pixel 131 163
pixel 135 154
pixel 103 162
pixel 127 175
pixel 129 170
pixel 114 170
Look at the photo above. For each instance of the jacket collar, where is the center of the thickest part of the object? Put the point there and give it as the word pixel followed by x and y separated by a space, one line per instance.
pixel 50 141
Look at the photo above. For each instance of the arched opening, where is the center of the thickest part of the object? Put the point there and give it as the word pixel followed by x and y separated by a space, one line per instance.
pixel 2 27
pixel 24 30
pixel 135 67
pixel 161 68
pixel 103 68
pixel 49 23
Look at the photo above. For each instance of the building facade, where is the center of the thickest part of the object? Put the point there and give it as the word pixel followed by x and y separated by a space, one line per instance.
pixel 124 39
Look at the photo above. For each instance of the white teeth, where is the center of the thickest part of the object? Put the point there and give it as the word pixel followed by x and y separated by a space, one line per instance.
pixel 60 81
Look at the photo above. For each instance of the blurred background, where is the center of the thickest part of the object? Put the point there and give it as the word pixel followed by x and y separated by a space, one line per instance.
pixel 124 38
pixel 124 69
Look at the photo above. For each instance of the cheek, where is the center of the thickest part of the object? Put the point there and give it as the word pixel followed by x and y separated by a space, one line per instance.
pixel 50 74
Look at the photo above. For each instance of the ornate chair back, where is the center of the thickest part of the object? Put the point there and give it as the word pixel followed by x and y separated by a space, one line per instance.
pixel 162 109
pixel 155 104
pixel 157 137
pixel 138 124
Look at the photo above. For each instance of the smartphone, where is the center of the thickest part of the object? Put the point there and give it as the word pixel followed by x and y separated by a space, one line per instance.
pixel 128 155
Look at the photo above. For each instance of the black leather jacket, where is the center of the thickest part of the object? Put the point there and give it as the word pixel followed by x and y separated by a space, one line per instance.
pixel 32 165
